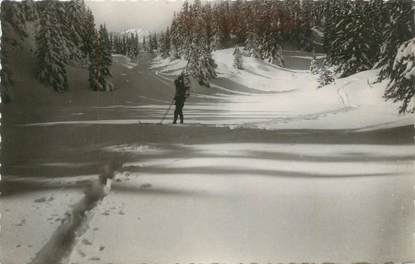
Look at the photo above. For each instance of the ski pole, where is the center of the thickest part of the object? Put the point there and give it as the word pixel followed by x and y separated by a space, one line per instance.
pixel 168 110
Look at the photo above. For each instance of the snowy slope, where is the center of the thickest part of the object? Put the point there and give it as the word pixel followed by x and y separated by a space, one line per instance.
pixel 289 98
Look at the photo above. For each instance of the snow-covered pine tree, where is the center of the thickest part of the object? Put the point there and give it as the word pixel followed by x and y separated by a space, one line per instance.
pixel 272 50
pixel 165 43
pixel 72 24
pixel 174 38
pixel 136 48
pixel 13 18
pixel 106 60
pixel 323 70
pixel 223 18
pixel 9 22
pixel 51 54
pixel 93 56
pixel 238 21
pixel 237 59
pixel 305 32
pixel 101 60
pixel 396 31
pixel 401 87
pixel 154 43
pixel 350 50
pixel 207 14
pixel 88 34
pixel 30 10
pixel 144 45
pixel 376 18
pixel 201 65
pixel 252 46
pixel 5 72
pixel 333 13
pixel 5 75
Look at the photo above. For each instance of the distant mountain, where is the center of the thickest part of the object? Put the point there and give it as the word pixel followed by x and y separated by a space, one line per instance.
pixel 139 31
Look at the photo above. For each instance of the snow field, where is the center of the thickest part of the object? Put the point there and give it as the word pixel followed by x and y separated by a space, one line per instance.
pixel 253 202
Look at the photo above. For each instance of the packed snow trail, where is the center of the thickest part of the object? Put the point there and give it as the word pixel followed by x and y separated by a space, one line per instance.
pixel 75 223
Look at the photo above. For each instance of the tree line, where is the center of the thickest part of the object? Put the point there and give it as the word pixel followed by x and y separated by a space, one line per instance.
pixel 356 35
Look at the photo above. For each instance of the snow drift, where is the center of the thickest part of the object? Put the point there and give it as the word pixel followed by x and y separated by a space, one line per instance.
pixel 293 96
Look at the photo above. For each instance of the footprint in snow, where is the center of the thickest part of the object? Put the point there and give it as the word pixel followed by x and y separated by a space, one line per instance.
pixel 22 222
pixel 43 199
pixel 145 186
pixel 81 253
pixel 86 242
pixel 40 200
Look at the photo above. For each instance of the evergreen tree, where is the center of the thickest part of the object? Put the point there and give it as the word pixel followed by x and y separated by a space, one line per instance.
pixel 100 62
pixel 73 13
pixel 5 72
pixel 401 87
pixel 252 45
pixel 136 46
pixel 398 29
pixel 174 38
pixel 51 57
pixel 144 43
pixel 88 34
pixel 306 22
pixel 237 59
pixel 272 50
pixel 30 10
pixel 200 63
pixel 323 70
pixel 13 18
pixel 9 17
pixel 350 49
pixel 165 43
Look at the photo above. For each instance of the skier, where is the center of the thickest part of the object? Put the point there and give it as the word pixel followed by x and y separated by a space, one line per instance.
pixel 182 84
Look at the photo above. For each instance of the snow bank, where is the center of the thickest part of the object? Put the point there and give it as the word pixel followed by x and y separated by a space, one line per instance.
pixel 361 106
pixel 260 75
pixel 278 98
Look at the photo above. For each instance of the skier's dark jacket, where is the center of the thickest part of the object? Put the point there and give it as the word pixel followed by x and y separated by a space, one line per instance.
pixel 181 90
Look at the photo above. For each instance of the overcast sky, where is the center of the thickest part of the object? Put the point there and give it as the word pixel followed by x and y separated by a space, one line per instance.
pixel 151 15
